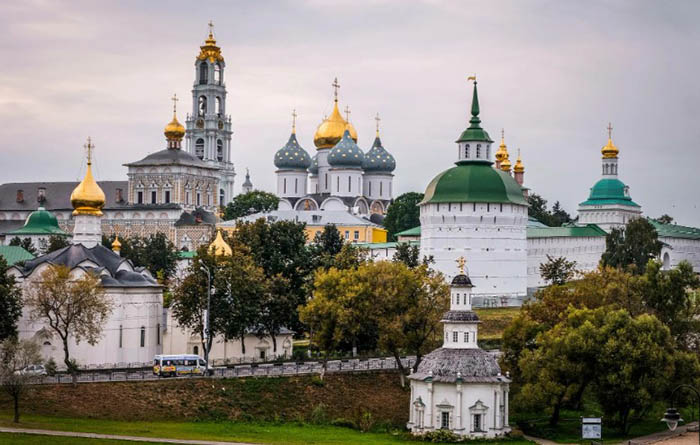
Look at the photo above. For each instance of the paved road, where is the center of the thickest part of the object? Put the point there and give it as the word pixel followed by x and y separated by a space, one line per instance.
pixel 115 437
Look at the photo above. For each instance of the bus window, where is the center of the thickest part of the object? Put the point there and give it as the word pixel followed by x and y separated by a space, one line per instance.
pixel 202 362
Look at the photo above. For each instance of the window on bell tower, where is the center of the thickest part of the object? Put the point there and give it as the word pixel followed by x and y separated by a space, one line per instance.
pixel 219 150
pixel 218 106
pixel 203 73
pixel 199 148
pixel 217 74
pixel 202 106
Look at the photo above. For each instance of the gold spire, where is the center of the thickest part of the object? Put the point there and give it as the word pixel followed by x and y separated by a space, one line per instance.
pixel 461 262
pixel 219 246
pixel 502 152
pixel 294 121
pixel 174 131
pixel 88 198
pixel 519 167
pixel 210 50
pixel 116 245
pixel 610 151
pixel 377 119
pixel 331 130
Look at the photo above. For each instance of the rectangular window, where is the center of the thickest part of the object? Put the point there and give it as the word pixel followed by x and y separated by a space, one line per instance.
pixel 457 298
pixel 478 150
pixel 143 336
pixel 347 234
pixel 187 197
pixel 139 197
pixel 466 337
pixel 284 185
pixel 326 181
pixel 121 332
pixel 154 197
pixel 477 422
pixel 296 185
pixel 370 188
pixel 357 235
pixel 199 199
pixel 158 334
pixel 349 184
pixel 337 184
pixel 167 196
pixel 455 336
pixel 445 420
pixel 381 188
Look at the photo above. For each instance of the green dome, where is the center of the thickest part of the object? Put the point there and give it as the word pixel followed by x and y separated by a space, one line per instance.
pixel 609 191
pixel 40 222
pixel 474 182
pixel 292 156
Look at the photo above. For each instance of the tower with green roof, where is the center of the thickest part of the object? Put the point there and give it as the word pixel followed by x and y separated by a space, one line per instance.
pixel 39 226
pixel 476 211
pixel 609 203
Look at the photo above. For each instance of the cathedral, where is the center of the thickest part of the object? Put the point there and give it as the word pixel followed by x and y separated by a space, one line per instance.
pixel 175 190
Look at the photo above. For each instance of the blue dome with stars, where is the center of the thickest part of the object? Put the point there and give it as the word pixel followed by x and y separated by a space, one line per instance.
pixel 314 165
pixel 378 160
pixel 292 156
pixel 346 153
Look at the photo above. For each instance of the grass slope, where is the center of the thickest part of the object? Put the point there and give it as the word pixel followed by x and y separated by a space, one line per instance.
pixel 494 321
pixel 34 439
pixel 268 433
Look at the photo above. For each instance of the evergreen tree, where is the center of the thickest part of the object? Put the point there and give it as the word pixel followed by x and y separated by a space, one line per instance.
pixel 403 214
pixel 10 303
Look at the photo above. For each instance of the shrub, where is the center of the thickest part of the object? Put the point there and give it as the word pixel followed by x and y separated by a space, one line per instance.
pixel 317 381
pixel 319 416
pixel 50 367
pixel 366 421
pixel 441 436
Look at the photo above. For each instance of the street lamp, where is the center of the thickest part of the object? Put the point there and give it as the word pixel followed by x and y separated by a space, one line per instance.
pixel 672 417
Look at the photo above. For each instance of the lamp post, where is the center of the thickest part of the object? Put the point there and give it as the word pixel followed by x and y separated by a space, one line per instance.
pixel 206 319
pixel 672 417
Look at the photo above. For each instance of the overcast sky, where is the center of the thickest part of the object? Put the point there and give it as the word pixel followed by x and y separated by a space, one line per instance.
pixel 552 73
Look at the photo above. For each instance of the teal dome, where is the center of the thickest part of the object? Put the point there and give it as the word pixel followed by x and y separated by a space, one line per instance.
pixel 313 169
pixel 346 153
pixel 378 160
pixel 292 156
pixel 609 191
pixel 474 182
pixel 40 222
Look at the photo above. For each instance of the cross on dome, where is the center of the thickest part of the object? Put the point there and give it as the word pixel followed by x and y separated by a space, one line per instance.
pixel 89 147
pixel 174 99
pixel 335 86
pixel 347 113
pixel 461 262
pixel 211 28
pixel 294 120
pixel 610 129
pixel 377 119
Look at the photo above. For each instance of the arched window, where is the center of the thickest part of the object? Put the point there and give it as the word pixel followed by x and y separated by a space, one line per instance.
pixel 195 350
pixel 219 149
pixel 203 73
pixel 217 74
pixel 222 195
pixel 202 106
pixel 199 148
pixel 218 106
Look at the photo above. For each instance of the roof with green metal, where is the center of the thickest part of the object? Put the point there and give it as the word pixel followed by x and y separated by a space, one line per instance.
pixel 385 245
pixel 186 254
pixel 675 230
pixel 15 254
pixel 410 232
pixel 40 222
pixel 474 132
pixel 474 182
pixel 609 191
pixel 589 230
pixel 534 222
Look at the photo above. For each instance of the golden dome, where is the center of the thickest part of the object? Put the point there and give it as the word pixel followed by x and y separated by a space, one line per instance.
pixel 174 130
pixel 519 167
pixel 210 50
pixel 88 198
pixel 219 246
pixel 505 164
pixel 610 151
pixel 331 130
pixel 502 152
pixel 116 245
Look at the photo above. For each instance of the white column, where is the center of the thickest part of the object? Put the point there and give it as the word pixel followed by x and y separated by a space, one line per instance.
pixel 431 421
pixel 458 424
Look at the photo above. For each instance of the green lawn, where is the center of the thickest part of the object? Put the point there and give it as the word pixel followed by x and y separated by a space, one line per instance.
pixel 494 321
pixel 34 439
pixel 268 433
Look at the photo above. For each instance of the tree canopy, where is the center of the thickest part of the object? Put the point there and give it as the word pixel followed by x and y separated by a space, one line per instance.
pixel 632 246
pixel 538 210
pixel 154 252
pixel 557 270
pixel 10 303
pixel 249 203
pixel 403 214
pixel 25 243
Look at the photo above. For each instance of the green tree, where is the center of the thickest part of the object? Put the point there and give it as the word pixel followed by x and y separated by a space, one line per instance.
pixel 632 246
pixel 538 210
pixel 72 308
pixel 281 251
pixel 557 270
pixel 410 255
pixel 326 245
pixel 14 357
pixel 403 214
pixel 245 204
pixel 10 303
pixel 559 216
pixel 155 252
pixel 665 219
pixel 55 242
pixel 25 243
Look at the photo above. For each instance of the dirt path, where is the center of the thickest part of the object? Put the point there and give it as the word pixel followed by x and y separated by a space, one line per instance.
pixel 115 437
pixel 680 436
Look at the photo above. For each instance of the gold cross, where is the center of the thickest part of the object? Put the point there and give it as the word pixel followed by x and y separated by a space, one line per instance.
pixel 89 147
pixel 347 113
pixel 335 86
pixel 376 118
pixel 174 99
pixel 211 28
pixel 610 129
pixel 460 263
pixel 503 133
pixel 294 120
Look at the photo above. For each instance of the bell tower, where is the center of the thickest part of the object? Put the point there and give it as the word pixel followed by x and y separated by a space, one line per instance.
pixel 208 126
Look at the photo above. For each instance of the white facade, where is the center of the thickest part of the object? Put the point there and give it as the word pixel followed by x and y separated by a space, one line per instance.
pixel 346 182
pixel 492 236
pixel 586 251
pixel 292 183
pixel 608 216
pixel 377 185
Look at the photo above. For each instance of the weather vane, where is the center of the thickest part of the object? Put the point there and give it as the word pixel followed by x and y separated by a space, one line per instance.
pixel 472 78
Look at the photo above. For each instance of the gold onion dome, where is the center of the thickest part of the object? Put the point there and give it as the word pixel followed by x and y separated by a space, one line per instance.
pixel 331 130
pixel 219 246
pixel 502 152
pixel 505 164
pixel 519 167
pixel 116 244
pixel 210 50
pixel 174 130
pixel 610 150
pixel 88 198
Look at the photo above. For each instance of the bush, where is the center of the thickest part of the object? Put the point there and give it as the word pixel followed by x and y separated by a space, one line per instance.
pixel 317 381
pixel 319 416
pixel 441 436
pixel 366 421
pixel 50 367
